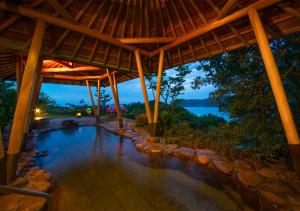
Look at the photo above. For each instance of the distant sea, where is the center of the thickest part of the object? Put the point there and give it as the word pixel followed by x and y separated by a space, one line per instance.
pixel 201 110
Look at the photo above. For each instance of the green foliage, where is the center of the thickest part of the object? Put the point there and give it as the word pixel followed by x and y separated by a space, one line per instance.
pixel 46 103
pixel 243 91
pixel 172 86
pixel 8 96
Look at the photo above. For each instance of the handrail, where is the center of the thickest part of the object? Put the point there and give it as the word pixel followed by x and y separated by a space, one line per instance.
pixel 9 189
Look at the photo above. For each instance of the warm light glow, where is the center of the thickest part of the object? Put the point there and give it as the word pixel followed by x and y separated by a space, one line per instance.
pixel 37 111
pixel 38 118
pixel 78 114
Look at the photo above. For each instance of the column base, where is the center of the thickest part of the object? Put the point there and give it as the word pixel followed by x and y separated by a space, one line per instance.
pixel 98 119
pixel 11 167
pixel 155 129
pixel 295 155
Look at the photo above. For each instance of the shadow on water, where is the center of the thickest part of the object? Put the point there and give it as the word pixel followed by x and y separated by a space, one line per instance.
pixel 97 160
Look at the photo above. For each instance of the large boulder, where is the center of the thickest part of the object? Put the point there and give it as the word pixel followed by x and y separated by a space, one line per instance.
pixel 268 172
pixel 17 202
pixel 186 152
pixel 203 159
pixel 170 149
pixel 241 164
pixel 249 178
pixel 270 200
pixel 224 166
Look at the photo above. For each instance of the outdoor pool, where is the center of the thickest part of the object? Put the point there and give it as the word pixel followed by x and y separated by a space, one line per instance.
pixel 96 170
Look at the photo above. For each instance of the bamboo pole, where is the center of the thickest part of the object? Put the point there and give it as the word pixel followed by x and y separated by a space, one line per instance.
pixel 28 77
pixel 142 81
pixel 116 100
pixel 157 95
pixel 2 161
pixel 98 100
pixel 277 88
pixel 2 154
pixel 91 97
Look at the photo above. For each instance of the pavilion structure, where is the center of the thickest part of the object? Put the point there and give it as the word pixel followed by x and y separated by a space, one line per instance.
pixel 117 40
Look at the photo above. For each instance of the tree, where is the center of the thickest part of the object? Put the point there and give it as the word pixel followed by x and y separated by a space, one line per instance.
pixel 46 102
pixel 243 89
pixel 172 86
pixel 8 97
pixel 104 98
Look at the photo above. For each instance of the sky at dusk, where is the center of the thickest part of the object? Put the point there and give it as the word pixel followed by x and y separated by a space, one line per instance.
pixel 129 91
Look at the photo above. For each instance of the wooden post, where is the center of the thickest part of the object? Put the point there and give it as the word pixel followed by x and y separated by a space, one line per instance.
pixel 157 95
pixel 36 87
pixel 142 80
pixel 2 161
pixel 98 100
pixel 19 73
pixel 29 76
pixel 115 84
pixel 91 96
pixel 116 100
pixel 277 88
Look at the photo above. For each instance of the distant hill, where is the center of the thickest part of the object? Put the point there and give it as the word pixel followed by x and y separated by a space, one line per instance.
pixel 198 102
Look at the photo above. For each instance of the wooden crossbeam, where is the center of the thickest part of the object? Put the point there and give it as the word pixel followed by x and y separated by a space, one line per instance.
pixel 289 10
pixel 67 25
pixel 61 10
pixel 147 40
pixel 71 77
pixel 226 8
pixel 215 24
pixel 68 70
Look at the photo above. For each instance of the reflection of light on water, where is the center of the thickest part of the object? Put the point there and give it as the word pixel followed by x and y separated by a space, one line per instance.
pixel 79 130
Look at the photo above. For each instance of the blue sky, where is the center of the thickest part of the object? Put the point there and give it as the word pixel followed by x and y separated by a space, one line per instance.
pixel 129 91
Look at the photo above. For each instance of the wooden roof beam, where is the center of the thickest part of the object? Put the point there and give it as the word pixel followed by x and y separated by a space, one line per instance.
pixel 68 70
pixel 226 9
pixel 70 26
pixel 61 10
pixel 70 77
pixel 215 24
pixel 289 10
pixel 139 40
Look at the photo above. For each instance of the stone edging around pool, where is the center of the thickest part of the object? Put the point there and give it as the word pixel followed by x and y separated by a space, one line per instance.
pixel 268 188
pixel 273 188
pixel 29 177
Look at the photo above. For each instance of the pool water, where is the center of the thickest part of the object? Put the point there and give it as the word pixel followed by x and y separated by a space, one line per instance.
pixel 96 170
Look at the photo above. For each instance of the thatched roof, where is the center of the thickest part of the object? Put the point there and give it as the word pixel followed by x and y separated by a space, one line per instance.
pixel 105 33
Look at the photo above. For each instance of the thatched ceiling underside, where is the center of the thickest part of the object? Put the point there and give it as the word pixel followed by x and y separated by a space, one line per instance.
pixel 100 32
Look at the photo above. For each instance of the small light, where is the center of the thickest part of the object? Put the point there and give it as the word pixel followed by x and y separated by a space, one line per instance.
pixel 37 111
pixel 78 114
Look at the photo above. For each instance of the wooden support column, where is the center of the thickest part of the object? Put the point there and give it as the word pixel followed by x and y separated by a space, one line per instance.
pixel 142 81
pixel 116 100
pixel 36 87
pixel 29 76
pixel 157 95
pixel 115 84
pixel 2 161
pixel 19 73
pixel 98 100
pixel 277 88
pixel 91 97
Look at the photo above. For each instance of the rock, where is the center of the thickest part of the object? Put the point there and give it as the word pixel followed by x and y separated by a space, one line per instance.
pixel 170 149
pixel 249 178
pixel 274 186
pixel 273 198
pixel 267 172
pixel 294 200
pixel 224 166
pixel 19 182
pixel 153 149
pixel 139 146
pixel 210 153
pixel 186 152
pixel 38 186
pixel 38 175
pixel 203 160
pixel 241 164
pixel 16 202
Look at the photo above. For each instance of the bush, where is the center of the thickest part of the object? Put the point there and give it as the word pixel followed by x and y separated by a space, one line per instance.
pixel 141 120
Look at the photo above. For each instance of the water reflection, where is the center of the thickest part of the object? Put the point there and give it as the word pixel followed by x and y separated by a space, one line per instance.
pixel 97 170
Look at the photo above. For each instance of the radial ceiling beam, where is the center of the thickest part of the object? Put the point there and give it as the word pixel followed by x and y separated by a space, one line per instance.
pixel 289 10
pixel 71 77
pixel 68 70
pixel 139 40
pixel 61 10
pixel 215 24
pixel 226 9
pixel 67 25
